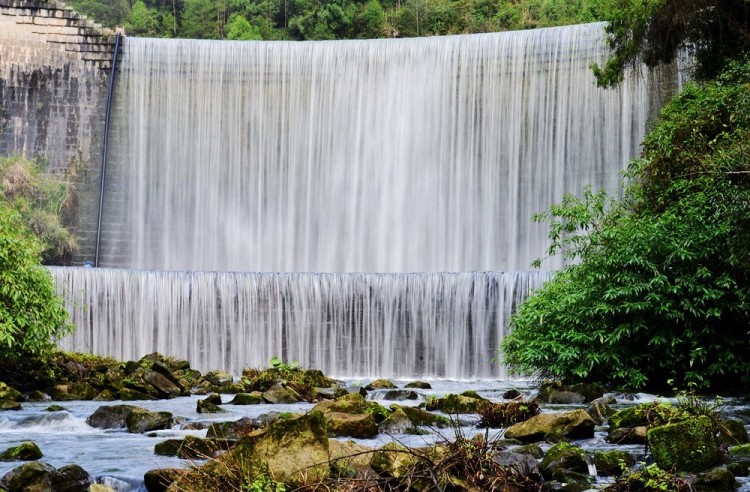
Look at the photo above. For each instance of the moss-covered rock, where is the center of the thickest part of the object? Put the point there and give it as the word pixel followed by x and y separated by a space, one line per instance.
pixel 732 432
pixel 573 425
pixel 609 463
pixel 646 414
pixel 34 476
pixel 352 403
pixel 160 479
pixel 347 458
pixel 686 446
pixel 380 384
pixel 293 451
pixel 140 420
pixel 253 398
pixel 278 393
pixel 361 426
pixel 400 395
pixel 600 411
pixel 741 451
pixel 231 430
pixel 563 456
pixel 130 394
pixel 628 435
pixel 393 460
pixel 106 395
pixel 26 451
pixel 210 404
pixel 467 402
pixel 192 448
pixel 111 416
pixel 9 405
pixel 716 479
pixel 8 393
pixel 531 449
pixel 398 423
pixel 55 408
pixel 37 395
pixel 418 385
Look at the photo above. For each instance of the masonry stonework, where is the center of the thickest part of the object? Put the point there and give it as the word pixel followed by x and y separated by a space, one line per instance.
pixel 54 76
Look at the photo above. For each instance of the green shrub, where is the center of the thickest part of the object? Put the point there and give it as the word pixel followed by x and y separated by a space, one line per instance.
pixel 661 290
pixel 31 313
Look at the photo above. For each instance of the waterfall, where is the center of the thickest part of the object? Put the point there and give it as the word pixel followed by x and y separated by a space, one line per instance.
pixel 408 155
pixel 427 325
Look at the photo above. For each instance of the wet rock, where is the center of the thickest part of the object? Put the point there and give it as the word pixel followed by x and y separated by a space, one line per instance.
pixel 628 435
pixel 111 416
pixel 573 425
pixel 130 394
pixel 380 384
pixel 278 393
pixel 563 456
pixel 590 391
pixel 645 414
pixel 106 395
pixel 466 402
pixel 231 430
pixel 512 394
pixel 608 462
pixel 37 395
pixel 159 480
pixel 742 451
pixel 26 451
pixel 84 391
pixel 418 385
pixel 72 478
pixel 732 432
pixel 522 464
pixel 716 479
pixel 503 414
pixel 141 420
pixel 207 406
pixel 421 417
pixel 347 458
pixel 686 446
pixel 253 398
pixel 531 449
pixel 213 398
pixel 600 412
pixel 218 378
pixel 397 423
pixel 61 392
pixel 10 394
pixel 360 426
pixel 400 395
pixel 9 405
pixel 192 448
pixel 35 476
pixel 295 452
pixel 393 460
pixel 55 408
pixel 351 403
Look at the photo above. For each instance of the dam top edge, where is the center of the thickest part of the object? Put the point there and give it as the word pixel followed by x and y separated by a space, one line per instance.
pixel 594 27
pixel 299 274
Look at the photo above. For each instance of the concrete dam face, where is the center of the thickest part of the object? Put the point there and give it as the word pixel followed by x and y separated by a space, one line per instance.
pixel 363 207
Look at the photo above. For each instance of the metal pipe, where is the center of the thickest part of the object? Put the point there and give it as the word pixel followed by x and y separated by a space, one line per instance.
pixel 112 72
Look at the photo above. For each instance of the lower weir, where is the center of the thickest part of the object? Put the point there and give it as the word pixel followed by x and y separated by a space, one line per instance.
pixel 408 325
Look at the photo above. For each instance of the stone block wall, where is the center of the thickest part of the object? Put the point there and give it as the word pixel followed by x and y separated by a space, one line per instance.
pixel 54 76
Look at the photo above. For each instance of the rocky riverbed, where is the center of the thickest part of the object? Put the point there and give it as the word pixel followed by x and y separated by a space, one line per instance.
pixel 119 453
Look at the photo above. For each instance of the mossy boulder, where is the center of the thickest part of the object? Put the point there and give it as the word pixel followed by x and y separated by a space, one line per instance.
pixel 381 384
pixel 352 403
pixel 9 405
pixel 111 416
pixel 231 430
pixel 37 395
pixel 572 425
pixel 590 391
pixel 8 393
pixel 141 420
pixel 394 460
pixel 254 398
pixel 466 402
pixel 522 464
pixel 531 449
pixel 740 452
pixel 563 456
pixel 400 395
pixel 646 414
pixel 160 479
pixel 600 411
pixel 361 426
pixel 55 408
pixel 716 479
pixel 347 458
pixel 628 435
pixel 732 432
pixel 210 404
pixel 397 423
pixel 192 448
pixel 418 385
pixel 130 394
pixel 686 446
pixel 26 451
pixel 608 463
pixel 421 417
pixel 278 393
pixel 293 451
pixel 218 378
pixel 38 476
pixel 84 391
pixel 105 395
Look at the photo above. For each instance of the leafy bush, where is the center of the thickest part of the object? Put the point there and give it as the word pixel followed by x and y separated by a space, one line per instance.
pixel 661 290
pixel 31 313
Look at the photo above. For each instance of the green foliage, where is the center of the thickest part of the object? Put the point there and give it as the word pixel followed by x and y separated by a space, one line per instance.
pixel 42 202
pixel 661 290
pixel 31 313
pixel 649 478
pixel 655 31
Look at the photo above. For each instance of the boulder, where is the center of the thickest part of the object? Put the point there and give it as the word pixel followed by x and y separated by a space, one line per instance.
pixel 600 411
pixel 72 478
pixel 393 460
pixel 686 446
pixel 380 384
pixel 38 476
pixel 213 398
pixel 130 394
pixel 8 393
pixel 512 394
pixel 293 451
pixel 55 408
pixel 348 457
pixel 26 451
pixel 716 479
pixel 563 456
pixel 530 449
pixel 590 391
pixel 278 393
pixel 140 420
pixel 421 417
pixel 360 426
pixel 397 423
pixel 84 391
pixel 608 463
pixel 628 435
pixel 218 378
pixel 253 398
pixel 467 402
pixel 192 448
pixel 36 395
pixel 740 452
pixel 206 405
pixel 9 405
pixel 351 403
pixel 732 432
pixel 400 395
pixel 106 395
pixel 645 414
pixel 418 385
pixel 573 425
pixel 524 465
pixel 111 416
pixel 159 480
pixel 503 414
pixel 231 430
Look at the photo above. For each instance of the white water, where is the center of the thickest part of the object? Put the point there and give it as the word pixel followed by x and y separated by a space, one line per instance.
pixel 405 155
pixel 429 325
